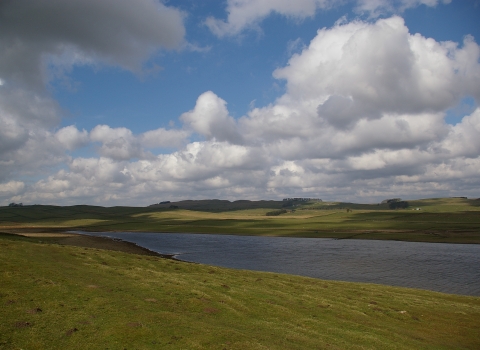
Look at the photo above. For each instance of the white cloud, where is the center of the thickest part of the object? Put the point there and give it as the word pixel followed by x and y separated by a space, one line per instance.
pixel 370 69
pixel 243 14
pixel 164 138
pixel 378 7
pixel 202 160
pixel 117 143
pixel 202 167
pixel 25 144
pixel 210 119
pixel 117 32
pixel 11 188
pixel 44 39
pixel 71 138
pixel 122 144
pixel 247 14
pixel 464 138
pixel 362 119
pixel 365 105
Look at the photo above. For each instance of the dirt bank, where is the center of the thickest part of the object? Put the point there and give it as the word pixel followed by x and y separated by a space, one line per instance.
pixel 80 240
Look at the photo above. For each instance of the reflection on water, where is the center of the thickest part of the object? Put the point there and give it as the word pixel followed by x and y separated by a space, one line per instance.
pixel 449 268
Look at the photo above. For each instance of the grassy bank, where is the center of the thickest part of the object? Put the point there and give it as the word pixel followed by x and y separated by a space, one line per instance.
pixel 454 220
pixel 60 297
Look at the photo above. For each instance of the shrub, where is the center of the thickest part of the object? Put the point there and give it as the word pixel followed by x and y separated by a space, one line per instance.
pixel 276 212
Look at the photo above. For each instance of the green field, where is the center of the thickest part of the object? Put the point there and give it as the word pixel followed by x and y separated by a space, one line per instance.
pixel 455 220
pixel 61 297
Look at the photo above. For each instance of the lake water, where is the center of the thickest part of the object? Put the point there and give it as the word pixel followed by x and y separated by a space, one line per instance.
pixel 448 268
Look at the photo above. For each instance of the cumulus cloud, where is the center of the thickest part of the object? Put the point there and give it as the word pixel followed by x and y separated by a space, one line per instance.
pixel 244 13
pixel 40 153
pixel 377 7
pixel 463 139
pixel 210 119
pixel 118 32
pixel 71 138
pixel 362 119
pixel 365 104
pixel 362 71
pixel 11 188
pixel 247 14
pixel 23 112
pixel 42 40
pixel 164 138
pixel 122 144
pixel 117 143
pixel 201 168
pixel 203 160
pixel 26 144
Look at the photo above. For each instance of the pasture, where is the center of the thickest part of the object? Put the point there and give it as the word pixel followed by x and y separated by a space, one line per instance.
pixel 62 297
pixel 453 220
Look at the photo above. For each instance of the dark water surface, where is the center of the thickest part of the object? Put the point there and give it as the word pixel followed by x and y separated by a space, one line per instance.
pixel 443 267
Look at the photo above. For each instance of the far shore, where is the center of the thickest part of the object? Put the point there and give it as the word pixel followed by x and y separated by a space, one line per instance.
pixel 66 236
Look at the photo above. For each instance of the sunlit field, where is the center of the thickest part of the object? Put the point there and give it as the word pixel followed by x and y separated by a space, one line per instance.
pixel 60 297
pixel 455 220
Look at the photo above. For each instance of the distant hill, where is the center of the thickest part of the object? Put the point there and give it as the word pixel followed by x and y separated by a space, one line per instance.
pixel 215 205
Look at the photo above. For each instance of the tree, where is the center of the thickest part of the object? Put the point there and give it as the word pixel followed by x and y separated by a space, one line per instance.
pixel 398 205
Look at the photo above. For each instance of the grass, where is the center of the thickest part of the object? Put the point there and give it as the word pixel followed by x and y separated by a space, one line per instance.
pixel 61 297
pixel 454 220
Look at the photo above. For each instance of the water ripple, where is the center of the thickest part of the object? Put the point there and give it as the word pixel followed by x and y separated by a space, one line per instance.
pixel 448 268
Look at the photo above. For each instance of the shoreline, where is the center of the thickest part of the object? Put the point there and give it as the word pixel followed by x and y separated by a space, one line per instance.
pixel 367 235
pixel 375 235
pixel 55 295
pixel 87 241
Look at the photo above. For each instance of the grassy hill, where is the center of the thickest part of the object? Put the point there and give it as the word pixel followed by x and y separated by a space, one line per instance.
pixel 217 205
pixel 454 220
pixel 60 297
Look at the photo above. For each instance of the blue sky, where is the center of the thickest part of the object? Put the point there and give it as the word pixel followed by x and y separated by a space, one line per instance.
pixel 239 69
pixel 119 102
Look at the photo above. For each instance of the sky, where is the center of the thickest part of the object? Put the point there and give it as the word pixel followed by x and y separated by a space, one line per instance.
pixel 120 102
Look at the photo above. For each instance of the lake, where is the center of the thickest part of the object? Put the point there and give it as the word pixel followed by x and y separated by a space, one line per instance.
pixel 443 267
